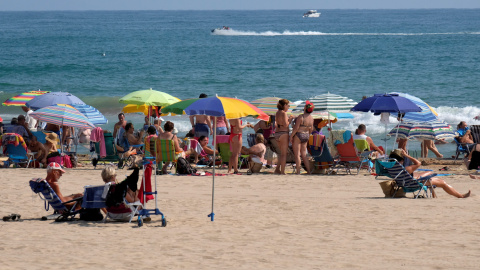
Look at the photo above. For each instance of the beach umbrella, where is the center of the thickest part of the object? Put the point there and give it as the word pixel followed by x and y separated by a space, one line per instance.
pixel 21 99
pixel 92 114
pixel 427 114
pixel 62 115
pixel 149 97
pixel 330 103
pixel 268 105
pixel 53 98
pixel 230 108
pixel 434 130
pixel 385 104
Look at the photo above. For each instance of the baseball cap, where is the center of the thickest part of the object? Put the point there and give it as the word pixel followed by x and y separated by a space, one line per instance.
pixel 54 166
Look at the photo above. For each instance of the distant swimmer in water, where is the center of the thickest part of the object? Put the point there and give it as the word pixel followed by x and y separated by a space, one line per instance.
pixel 103 54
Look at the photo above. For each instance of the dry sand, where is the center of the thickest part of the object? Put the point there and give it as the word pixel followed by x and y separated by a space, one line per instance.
pixel 262 222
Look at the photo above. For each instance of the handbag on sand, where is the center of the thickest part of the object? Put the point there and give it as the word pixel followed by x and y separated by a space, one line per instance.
pixel 388 188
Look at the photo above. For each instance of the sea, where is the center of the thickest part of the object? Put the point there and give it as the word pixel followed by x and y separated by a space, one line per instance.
pixel 101 56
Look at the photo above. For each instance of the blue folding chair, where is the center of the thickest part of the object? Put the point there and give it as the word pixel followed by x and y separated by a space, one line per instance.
pixel 403 179
pixel 462 148
pixel 17 155
pixel 47 194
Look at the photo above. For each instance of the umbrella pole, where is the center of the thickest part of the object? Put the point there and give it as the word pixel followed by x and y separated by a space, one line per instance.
pixel 386 129
pixel 396 134
pixel 212 215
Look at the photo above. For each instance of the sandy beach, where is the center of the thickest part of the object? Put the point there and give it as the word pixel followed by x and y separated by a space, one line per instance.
pixel 262 222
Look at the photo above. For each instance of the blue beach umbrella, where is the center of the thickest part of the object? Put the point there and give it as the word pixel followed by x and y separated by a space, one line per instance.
pixel 386 103
pixel 426 115
pixel 53 98
pixel 93 115
pixel 390 103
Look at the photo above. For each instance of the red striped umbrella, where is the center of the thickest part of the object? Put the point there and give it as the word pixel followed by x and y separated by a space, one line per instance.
pixel 20 100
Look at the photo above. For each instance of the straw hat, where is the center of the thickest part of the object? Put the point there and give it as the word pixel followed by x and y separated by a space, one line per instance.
pixel 52 137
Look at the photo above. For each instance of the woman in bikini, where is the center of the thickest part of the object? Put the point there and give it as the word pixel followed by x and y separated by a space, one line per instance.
pixel 281 133
pixel 235 141
pixel 300 134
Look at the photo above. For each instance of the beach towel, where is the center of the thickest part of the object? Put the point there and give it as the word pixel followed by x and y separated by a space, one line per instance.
pixel 316 140
pixel 148 184
pixel 12 138
pixel 97 136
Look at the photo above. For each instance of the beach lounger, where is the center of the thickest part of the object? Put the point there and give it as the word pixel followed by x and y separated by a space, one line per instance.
pixel 404 180
pixel 46 193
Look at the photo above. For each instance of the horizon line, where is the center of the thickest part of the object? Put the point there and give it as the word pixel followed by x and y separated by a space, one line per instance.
pixel 81 10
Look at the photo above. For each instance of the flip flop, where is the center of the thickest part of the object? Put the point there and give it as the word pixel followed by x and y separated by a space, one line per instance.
pixel 444 169
pixel 13 217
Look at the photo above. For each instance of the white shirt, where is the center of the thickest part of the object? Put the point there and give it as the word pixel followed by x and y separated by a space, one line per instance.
pixel 32 122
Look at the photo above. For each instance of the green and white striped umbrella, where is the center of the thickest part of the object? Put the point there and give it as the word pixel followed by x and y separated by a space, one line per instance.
pixel 434 130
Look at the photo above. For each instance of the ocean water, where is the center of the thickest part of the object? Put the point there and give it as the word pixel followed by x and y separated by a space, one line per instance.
pixel 102 55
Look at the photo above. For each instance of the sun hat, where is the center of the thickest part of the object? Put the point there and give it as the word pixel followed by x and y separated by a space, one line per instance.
pixel 54 166
pixel 52 137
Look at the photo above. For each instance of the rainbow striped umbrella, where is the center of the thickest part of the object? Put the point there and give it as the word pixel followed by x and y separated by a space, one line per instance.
pixel 20 100
pixel 433 130
pixel 62 115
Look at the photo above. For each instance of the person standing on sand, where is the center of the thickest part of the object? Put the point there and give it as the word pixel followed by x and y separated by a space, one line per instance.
pixel 282 133
pixel 428 144
pixel 435 181
pixel 201 124
pixel 120 124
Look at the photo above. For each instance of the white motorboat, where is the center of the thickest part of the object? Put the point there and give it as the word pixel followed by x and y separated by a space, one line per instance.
pixel 224 28
pixel 312 14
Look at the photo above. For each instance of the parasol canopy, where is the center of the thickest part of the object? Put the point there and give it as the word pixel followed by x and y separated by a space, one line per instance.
pixel 62 115
pixel 149 97
pixel 53 98
pixel 21 99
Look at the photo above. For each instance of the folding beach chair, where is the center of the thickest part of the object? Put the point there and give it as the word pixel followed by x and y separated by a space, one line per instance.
pixel 404 180
pixel 475 129
pixel 93 199
pixel 318 149
pixel 40 136
pixel 348 157
pixel 46 193
pixel 16 149
pixel 225 153
pixel 462 148
pixel 111 150
pixel 165 151
pixel 276 149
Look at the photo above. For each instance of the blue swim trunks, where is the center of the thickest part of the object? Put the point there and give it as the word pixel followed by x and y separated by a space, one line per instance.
pixel 201 130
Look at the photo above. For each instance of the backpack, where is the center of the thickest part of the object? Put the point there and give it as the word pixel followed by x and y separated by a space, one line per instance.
pixel 184 167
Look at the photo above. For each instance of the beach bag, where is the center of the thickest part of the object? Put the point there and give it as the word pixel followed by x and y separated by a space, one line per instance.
pixel 388 188
pixel 184 167
pixel 475 162
pixel 91 214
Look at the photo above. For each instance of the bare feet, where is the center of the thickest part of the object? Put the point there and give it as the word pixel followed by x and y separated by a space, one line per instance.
pixel 466 195
pixel 473 176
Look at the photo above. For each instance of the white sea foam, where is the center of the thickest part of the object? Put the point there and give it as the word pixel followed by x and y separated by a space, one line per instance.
pixel 316 33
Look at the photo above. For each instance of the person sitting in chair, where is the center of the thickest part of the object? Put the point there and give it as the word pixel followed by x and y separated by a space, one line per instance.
pixel 39 149
pixel 256 154
pixel 360 135
pixel 54 172
pixel 119 211
pixel 435 181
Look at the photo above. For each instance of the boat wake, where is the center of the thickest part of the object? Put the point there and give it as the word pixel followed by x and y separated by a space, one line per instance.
pixel 316 33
